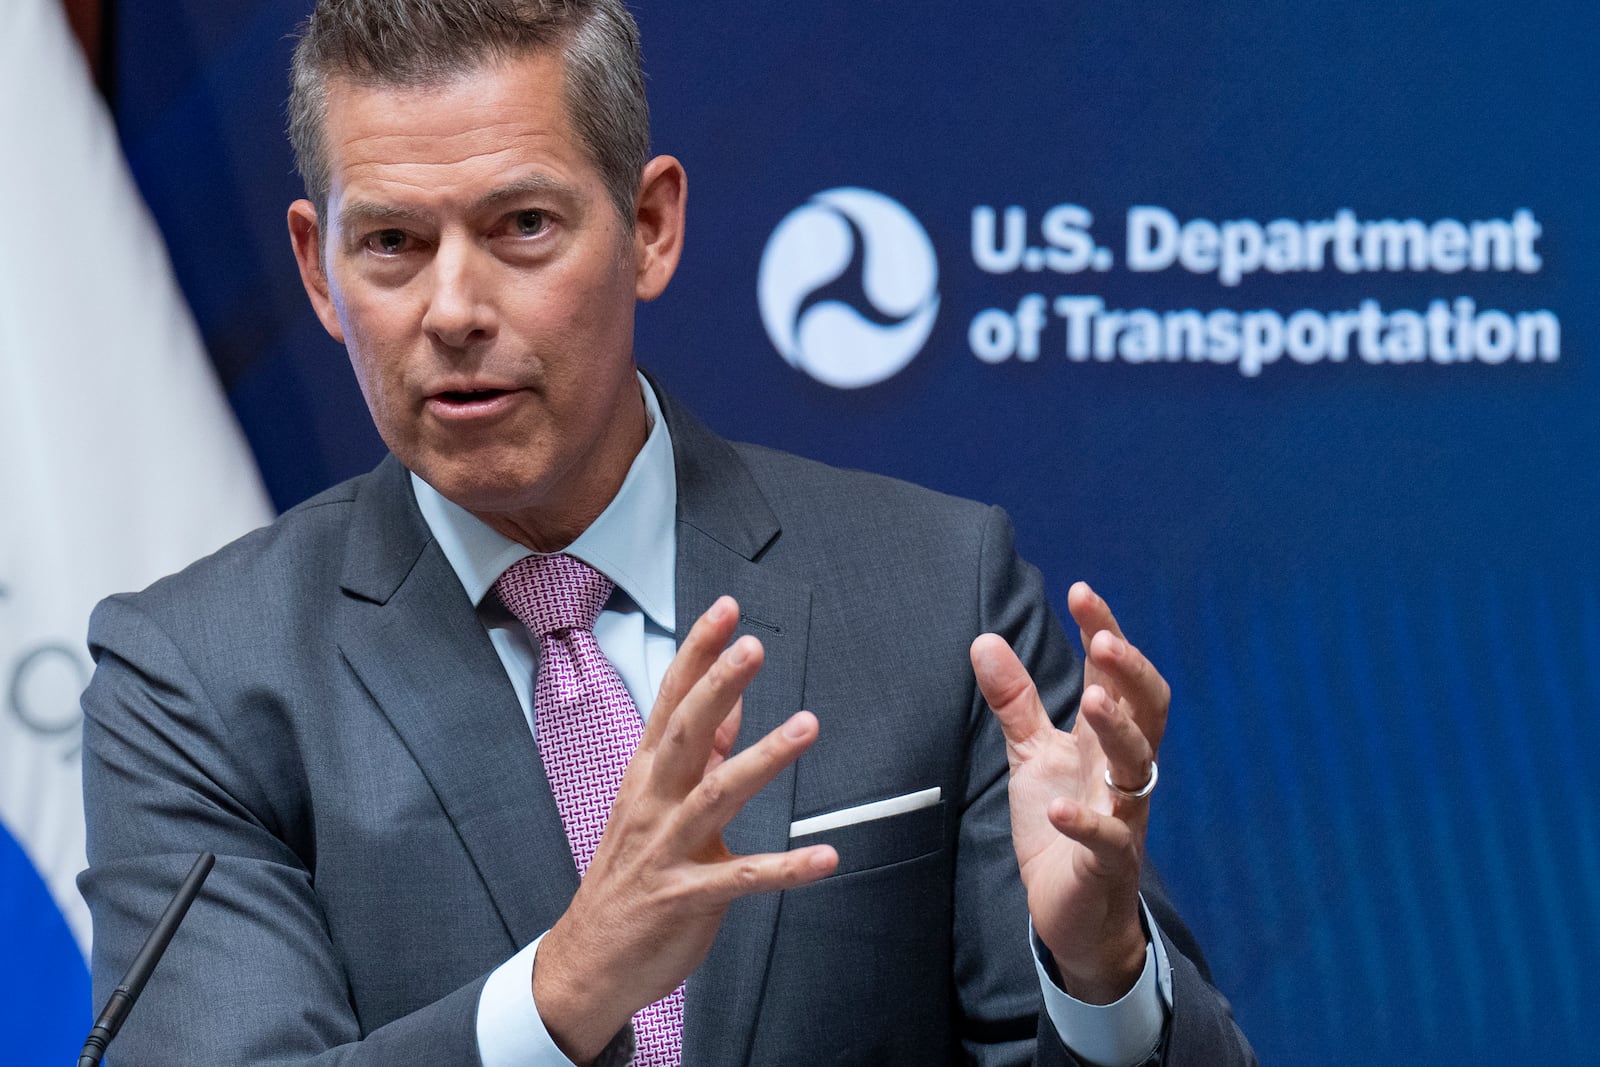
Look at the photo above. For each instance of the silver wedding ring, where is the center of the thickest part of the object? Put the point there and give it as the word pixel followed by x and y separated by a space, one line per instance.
pixel 1138 794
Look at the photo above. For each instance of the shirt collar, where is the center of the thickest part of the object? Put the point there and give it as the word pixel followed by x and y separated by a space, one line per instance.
pixel 633 542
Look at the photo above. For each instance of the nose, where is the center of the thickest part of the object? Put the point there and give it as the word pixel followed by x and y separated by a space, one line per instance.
pixel 460 307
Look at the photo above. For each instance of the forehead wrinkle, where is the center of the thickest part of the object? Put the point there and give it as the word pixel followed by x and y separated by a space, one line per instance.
pixel 361 211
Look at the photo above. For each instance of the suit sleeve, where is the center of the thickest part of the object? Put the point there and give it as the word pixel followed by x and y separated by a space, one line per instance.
pixel 1200 1029
pixel 252 977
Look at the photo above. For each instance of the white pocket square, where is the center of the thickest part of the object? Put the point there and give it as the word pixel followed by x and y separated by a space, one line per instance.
pixel 878 809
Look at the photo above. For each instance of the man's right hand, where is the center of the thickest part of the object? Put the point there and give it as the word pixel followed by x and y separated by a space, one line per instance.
pixel 648 908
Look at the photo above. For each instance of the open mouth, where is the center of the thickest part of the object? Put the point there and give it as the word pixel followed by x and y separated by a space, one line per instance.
pixel 470 396
pixel 470 404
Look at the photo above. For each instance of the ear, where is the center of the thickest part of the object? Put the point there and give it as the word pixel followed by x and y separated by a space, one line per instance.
pixel 658 225
pixel 305 234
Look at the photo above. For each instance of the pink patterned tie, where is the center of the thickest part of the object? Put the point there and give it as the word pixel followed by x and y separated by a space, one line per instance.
pixel 588 729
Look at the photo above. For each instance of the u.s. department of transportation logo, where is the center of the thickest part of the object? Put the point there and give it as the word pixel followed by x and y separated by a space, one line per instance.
pixel 848 287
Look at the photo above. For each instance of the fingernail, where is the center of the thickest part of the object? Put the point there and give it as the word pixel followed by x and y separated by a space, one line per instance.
pixel 795 728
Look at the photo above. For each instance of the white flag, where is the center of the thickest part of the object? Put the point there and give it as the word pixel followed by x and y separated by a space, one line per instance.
pixel 119 462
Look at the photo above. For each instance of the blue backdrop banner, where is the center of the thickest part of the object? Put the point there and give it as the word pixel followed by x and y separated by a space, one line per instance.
pixel 1270 320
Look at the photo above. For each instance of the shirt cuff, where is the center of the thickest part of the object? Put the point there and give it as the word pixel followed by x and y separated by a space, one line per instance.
pixel 510 1031
pixel 1120 1034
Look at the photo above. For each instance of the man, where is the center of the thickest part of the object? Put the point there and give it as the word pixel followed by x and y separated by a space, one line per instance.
pixel 362 711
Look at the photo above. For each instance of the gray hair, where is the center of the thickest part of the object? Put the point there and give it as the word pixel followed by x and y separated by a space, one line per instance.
pixel 423 43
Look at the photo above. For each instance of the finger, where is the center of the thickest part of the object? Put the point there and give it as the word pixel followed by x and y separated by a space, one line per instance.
pixel 767 872
pixel 1091 613
pixel 1113 843
pixel 1135 680
pixel 1128 752
pixel 1009 691
pixel 719 797
pixel 726 734
pixel 705 641
pixel 685 747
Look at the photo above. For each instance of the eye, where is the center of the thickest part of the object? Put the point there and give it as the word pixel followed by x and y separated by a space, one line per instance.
pixel 387 242
pixel 529 223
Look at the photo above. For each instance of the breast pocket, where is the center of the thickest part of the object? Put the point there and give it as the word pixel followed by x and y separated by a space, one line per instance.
pixel 879 834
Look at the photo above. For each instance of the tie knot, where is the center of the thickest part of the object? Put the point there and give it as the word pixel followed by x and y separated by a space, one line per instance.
pixel 549 594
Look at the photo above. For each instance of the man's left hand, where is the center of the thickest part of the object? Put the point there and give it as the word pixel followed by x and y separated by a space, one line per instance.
pixel 1079 845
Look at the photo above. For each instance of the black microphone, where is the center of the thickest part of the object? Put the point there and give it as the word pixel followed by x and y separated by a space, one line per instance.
pixel 122 998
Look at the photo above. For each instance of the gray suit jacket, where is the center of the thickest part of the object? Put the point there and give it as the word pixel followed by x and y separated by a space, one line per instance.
pixel 319 705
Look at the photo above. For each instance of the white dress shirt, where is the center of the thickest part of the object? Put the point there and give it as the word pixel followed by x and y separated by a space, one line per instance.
pixel 634 543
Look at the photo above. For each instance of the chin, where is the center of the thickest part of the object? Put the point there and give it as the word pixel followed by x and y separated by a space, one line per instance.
pixel 479 485
pixel 487 496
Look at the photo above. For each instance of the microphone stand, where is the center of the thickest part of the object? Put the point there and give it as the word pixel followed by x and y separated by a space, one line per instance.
pixel 122 998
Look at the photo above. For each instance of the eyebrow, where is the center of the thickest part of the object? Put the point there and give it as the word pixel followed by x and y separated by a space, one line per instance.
pixel 532 185
pixel 357 213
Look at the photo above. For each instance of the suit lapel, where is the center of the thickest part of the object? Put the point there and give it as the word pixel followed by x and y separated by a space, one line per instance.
pixel 417 646
pixel 724 526
pixel 416 643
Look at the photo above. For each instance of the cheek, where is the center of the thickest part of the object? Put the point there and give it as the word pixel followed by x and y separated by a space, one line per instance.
pixel 600 320
pixel 371 338
pixel 381 382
